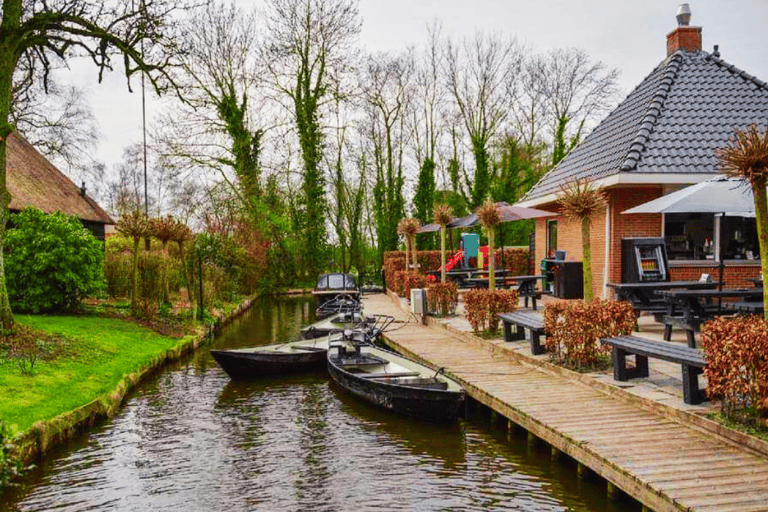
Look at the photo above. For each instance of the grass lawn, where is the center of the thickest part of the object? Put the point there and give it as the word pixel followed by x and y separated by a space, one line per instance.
pixel 86 359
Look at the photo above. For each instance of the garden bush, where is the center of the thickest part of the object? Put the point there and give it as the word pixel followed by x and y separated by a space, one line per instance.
pixel 411 280
pixel 736 351
pixel 483 306
pixel 443 297
pixel 574 329
pixel 52 262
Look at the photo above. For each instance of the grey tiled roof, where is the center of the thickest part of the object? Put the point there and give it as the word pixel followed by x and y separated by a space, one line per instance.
pixel 671 123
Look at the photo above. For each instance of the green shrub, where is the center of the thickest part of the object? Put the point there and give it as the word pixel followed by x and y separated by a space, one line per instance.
pixel 52 263
pixel 117 272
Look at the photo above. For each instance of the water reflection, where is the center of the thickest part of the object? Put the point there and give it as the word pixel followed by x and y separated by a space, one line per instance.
pixel 191 439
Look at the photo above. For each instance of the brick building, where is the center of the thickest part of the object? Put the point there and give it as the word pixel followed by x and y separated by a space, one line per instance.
pixel 34 181
pixel 661 138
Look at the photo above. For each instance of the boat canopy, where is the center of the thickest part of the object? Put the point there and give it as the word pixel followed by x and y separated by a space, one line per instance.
pixel 335 282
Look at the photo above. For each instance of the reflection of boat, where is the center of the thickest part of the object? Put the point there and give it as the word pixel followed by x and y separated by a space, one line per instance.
pixel 336 293
pixel 334 323
pixel 439 441
pixel 290 357
pixel 392 381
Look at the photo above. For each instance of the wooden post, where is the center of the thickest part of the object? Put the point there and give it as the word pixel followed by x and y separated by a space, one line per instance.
pixel 554 453
pixel 612 491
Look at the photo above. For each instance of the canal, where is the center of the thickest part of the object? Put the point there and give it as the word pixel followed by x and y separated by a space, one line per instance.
pixel 189 439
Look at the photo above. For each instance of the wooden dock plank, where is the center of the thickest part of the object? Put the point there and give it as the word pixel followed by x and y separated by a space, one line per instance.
pixel 665 464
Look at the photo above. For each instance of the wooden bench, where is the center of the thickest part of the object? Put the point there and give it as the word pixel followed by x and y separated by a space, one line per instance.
pixel 522 320
pixel 691 360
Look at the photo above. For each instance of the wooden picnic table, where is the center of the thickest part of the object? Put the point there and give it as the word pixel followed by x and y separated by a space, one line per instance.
pixel 748 307
pixel 525 286
pixel 696 307
pixel 643 299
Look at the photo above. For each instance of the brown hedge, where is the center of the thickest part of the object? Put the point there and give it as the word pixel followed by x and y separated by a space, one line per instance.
pixel 574 328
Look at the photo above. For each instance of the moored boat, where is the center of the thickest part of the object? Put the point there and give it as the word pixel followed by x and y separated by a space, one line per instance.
pixel 392 381
pixel 336 323
pixel 336 293
pixel 290 357
pixel 282 358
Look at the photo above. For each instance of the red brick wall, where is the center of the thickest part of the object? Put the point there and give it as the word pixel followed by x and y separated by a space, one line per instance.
pixel 622 226
pixel 735 275
pixel 684 38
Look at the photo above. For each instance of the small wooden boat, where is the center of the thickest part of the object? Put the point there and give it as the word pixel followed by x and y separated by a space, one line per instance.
pixel 336 293
pixel 292 357
pixel 282 358
pixel 337 323
pixel 392 381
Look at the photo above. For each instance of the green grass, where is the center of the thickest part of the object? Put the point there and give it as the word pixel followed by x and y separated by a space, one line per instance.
pixel 90 356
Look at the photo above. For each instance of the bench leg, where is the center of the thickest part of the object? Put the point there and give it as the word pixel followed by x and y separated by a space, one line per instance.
pixel 620 370
pixel 536 347
pixel 619 357
pixel 667 331
pixel 519 333
pixel 691 392
pixel 690 336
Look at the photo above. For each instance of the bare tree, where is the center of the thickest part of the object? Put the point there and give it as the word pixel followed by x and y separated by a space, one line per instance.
pixel 214 126
pixel 576 91
pixel 386 95
pixel 52 31
pixel 307 53
pixel 479 70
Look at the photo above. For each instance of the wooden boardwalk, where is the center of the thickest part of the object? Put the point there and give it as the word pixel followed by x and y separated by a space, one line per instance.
pixel 664 463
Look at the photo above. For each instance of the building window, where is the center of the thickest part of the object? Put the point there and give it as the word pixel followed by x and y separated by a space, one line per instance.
pixel 693 236
pixel 551 238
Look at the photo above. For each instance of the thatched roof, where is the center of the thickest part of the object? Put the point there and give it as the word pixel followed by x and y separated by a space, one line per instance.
pixel 34 181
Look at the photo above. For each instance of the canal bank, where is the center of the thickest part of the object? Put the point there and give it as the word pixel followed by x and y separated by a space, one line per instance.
pixel 44 435
pixel 641 438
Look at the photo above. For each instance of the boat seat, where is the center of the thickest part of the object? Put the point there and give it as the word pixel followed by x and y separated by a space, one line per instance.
pixel 387 375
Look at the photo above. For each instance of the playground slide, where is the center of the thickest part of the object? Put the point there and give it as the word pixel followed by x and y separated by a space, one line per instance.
pixel 457 257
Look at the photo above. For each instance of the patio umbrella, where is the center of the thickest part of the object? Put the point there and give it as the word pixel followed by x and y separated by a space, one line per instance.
pixel 732 196
pixel 721 195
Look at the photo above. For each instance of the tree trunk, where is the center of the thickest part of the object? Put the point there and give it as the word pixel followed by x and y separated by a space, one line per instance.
pixel 585 242
pixel 442 254
pixel 491 260
pixel 761 218
pixel 135 277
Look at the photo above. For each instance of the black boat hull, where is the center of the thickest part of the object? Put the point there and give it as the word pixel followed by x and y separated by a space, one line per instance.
pixel 251 365
pixel 419 402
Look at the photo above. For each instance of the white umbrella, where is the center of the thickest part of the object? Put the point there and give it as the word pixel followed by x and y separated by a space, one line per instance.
pixel 732 196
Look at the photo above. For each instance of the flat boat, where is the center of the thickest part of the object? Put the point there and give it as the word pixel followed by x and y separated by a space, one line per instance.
pixel 392 381
pixel 290 357
pixel 336 323
pixel 336 293
pixel 282 358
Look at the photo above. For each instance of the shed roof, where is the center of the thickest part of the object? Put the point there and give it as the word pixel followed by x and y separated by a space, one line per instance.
pixel 673 122
pixel 34 181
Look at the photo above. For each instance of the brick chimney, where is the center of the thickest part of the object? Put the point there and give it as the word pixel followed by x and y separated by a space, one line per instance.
pixel 684 37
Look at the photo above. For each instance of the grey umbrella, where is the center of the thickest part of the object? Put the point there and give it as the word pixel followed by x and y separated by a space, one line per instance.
pixel 723 195
pixel 731 196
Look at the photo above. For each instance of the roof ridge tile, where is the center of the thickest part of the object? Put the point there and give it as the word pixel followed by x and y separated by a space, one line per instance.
pixel 652 113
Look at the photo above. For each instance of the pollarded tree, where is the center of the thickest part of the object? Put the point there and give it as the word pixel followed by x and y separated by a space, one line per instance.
pixel 746 157
pixel 48 32
pixel 443 215
pixel 580 200
pixel 488 213
pixel 134 225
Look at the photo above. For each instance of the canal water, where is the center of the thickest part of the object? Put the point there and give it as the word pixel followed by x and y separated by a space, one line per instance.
pixel 189 439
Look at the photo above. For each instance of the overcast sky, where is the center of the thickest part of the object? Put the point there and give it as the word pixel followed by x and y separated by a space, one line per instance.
pixel 629 35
